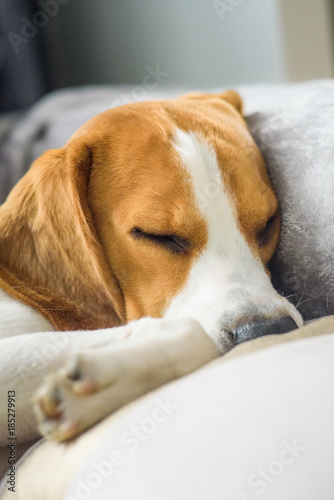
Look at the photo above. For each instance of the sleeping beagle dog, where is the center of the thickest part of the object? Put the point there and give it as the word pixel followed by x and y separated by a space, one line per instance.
pixel 132 256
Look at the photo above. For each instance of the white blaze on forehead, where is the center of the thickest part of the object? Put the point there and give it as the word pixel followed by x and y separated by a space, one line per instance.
pixel 200 161
pixel 225 240
pixel 227 279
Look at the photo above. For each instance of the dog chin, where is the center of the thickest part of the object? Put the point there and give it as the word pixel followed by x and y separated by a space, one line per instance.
pixel 223 340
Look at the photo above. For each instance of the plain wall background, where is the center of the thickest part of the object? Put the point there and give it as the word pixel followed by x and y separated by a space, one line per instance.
pixel 113 41
pixel 308 38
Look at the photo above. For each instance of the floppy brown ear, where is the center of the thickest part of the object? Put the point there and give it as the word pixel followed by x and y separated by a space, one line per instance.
pixel 233 98
pixel 229 96
pixel 50 255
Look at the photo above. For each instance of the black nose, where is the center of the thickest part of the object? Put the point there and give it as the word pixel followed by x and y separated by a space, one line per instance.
pixel 253 330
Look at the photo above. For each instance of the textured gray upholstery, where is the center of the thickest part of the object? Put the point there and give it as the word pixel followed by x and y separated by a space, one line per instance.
pixel 296 136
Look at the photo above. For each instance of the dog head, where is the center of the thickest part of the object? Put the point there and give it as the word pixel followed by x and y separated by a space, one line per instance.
pixel 160 208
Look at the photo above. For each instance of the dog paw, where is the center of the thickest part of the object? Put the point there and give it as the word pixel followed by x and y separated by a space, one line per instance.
pixel 99 381
pixel 74 398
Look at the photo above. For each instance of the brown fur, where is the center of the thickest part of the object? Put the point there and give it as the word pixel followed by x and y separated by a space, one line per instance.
pixel 65 242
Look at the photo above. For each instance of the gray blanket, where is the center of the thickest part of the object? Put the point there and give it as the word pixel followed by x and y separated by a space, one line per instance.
pixel 293 126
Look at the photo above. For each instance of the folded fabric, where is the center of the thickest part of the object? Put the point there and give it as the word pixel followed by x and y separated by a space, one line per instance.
pixel 258 424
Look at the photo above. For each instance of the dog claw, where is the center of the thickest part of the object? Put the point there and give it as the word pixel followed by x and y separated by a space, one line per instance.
pixel 83 387
pixel 80 384
pixel 50 402
pixel 64 431
pixel 74 371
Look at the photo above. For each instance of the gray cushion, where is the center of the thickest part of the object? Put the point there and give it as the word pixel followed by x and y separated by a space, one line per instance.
pixel 296 136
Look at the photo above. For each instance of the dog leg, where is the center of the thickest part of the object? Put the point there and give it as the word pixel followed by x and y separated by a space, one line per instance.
pixel 99 381
pixel 27 359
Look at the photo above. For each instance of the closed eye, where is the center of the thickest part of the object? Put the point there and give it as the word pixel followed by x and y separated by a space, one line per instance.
pixel 171 242
pixel 265 235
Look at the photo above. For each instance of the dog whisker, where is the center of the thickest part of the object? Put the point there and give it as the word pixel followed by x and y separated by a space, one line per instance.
pixel 301 297
pixel 307 300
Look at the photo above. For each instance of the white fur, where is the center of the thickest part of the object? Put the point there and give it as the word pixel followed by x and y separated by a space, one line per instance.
pixel 33 355
pixel 17 318
pixel 227 280
pixel 224 282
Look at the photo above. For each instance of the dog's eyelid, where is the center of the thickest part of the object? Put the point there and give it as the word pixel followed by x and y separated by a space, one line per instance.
pixel 173 242
pixel 265 234
pixel 271 219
